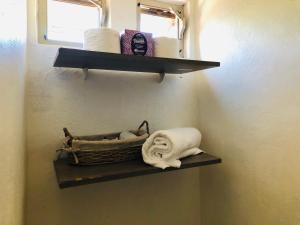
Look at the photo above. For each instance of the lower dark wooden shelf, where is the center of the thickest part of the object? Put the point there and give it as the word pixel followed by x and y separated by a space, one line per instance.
pixel 70 176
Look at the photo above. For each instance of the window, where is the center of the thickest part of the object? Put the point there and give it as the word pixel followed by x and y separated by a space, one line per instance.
pixel 160 20
pixel 157 24
pixel 64 21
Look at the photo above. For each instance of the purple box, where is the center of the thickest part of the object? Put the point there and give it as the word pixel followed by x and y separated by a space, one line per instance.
pixel 134 42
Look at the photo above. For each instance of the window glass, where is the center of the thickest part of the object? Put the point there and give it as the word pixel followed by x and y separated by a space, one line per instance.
pixel 159 26
pixel 67 22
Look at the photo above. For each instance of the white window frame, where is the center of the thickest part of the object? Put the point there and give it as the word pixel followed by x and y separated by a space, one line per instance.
pixel 160 5
pixel 42 25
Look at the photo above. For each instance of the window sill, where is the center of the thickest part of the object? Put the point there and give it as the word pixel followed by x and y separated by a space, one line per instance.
pixel 42 40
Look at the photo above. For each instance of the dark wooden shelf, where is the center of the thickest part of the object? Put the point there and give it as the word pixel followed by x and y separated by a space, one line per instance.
pixel 69 176
pixel 76 58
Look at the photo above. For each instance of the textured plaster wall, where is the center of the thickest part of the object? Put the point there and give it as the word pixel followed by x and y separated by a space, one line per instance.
pixel 107 101
pixel 12 73
pixel 250 111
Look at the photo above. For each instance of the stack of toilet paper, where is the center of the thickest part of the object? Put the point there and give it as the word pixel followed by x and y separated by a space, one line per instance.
pixel 108 40
pixel 102 40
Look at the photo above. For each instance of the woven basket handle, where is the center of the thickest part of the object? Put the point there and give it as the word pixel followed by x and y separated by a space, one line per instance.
pixel 145 122
pixel 69 136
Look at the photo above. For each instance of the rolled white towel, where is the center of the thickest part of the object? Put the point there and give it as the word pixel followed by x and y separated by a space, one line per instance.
pixel 166 47
pixel 164 148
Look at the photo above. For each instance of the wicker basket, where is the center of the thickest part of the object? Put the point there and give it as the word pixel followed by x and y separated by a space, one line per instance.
pixel 104 148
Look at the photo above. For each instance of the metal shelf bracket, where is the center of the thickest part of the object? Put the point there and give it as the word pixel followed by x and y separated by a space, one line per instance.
pixel 162 76
pixel 86 73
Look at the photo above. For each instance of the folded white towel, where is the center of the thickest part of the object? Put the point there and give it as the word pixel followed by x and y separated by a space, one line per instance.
pixel 164 148
pixel 124 135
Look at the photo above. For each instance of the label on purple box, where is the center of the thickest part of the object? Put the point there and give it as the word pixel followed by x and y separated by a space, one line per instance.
pixel 137 43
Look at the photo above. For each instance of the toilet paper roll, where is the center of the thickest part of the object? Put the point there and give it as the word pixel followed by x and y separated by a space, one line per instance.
pixel 166 47
pixel 102 40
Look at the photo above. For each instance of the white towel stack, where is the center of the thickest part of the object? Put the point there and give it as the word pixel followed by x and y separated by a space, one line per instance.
pixel 164 148
pixel 102 40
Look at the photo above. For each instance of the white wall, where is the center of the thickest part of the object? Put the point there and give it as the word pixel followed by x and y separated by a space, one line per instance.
pixel 107 101
pixel 250 110
pixel 12 73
